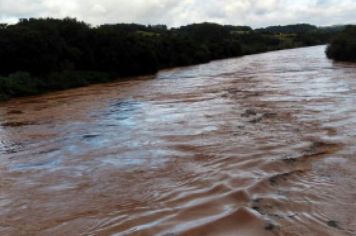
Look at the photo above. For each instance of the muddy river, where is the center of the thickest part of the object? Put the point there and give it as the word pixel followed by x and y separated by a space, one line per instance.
pixel 254 146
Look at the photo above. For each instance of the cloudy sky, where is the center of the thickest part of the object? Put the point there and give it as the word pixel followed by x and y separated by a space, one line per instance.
pixel 256 13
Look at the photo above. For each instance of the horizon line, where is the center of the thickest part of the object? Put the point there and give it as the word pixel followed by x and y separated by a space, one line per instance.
pixel 168 27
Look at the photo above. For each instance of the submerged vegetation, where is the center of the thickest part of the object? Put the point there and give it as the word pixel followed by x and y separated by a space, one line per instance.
pixel 39 55
pixel 343 47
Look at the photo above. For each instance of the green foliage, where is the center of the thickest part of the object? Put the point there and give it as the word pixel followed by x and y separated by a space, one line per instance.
pixel 17 84
pixel 65 53
pixel 343 47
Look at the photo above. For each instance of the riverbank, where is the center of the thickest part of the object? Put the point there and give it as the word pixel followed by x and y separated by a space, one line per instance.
pixel 22 84
pixel 42 55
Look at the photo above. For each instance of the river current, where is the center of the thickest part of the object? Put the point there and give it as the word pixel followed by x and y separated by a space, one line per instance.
pixel 253 146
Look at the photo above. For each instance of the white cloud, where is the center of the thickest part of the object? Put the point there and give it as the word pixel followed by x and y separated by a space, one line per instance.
pixel 256 13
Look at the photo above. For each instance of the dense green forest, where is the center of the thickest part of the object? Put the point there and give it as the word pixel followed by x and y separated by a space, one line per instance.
pixel 39 55
pixel 343 47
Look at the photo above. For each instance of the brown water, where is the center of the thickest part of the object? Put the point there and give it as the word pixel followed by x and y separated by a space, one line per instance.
pixel 254 146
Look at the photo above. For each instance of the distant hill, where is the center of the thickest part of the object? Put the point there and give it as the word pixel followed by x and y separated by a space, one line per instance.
pixel 289 29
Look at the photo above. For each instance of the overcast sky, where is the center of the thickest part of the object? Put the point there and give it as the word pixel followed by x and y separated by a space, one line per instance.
pixel 256 13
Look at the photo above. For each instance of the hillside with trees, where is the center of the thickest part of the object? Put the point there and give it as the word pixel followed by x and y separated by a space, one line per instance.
pixel 40 55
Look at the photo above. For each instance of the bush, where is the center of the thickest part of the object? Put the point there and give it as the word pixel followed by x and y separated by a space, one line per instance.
pixel 343 47
pixel 18 84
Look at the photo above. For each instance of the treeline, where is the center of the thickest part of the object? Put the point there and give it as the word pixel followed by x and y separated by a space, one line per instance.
pixel 38 55
pixel 343 47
